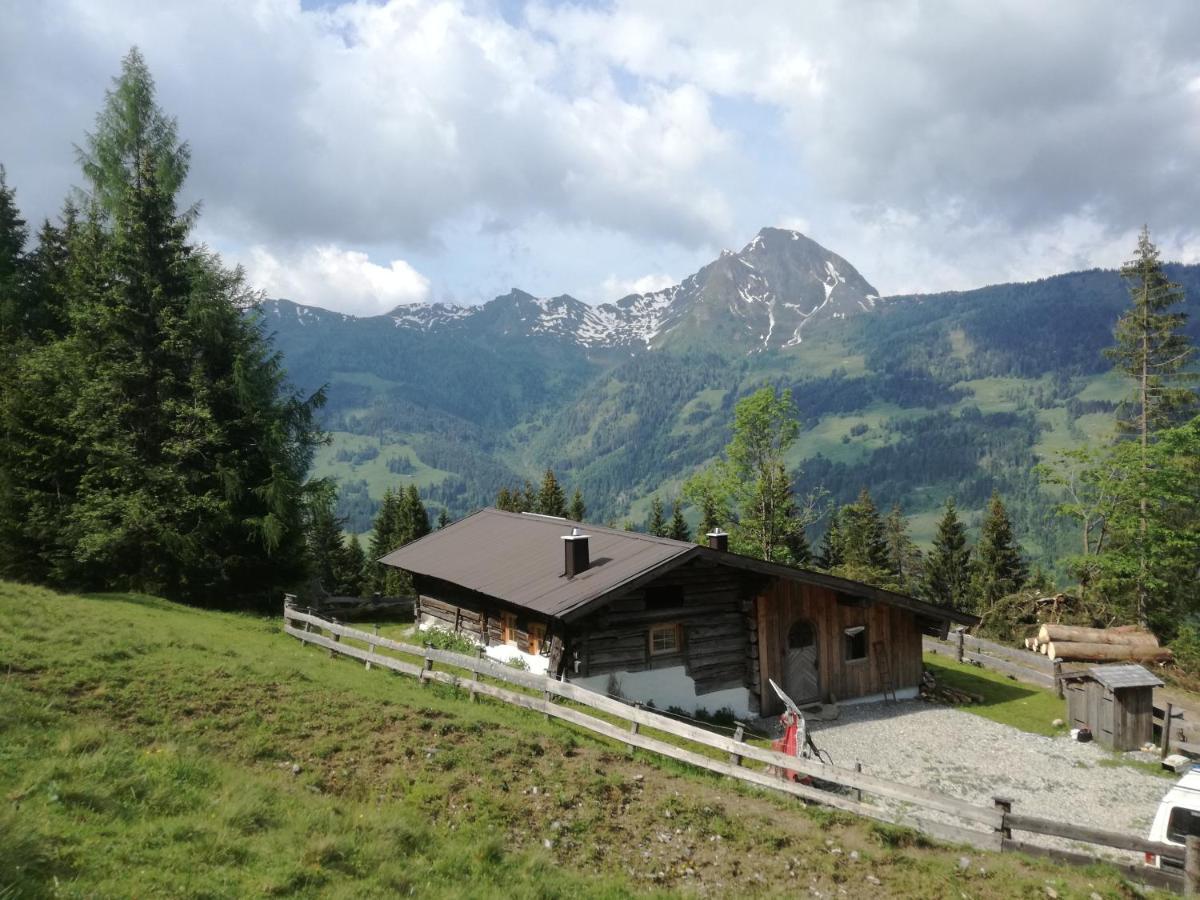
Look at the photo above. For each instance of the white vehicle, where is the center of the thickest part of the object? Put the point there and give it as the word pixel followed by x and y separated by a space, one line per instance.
pixel 1178 816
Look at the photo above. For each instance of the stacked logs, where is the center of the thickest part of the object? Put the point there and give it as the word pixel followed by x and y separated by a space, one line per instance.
pixel 1074 642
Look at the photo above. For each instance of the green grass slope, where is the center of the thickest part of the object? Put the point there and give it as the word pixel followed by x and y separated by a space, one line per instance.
pixel 153 750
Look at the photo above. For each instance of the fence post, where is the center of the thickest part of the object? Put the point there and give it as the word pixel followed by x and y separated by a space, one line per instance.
pixel 858 791
pixel 735 759
pixel 479 651
pixel 428 667
pixel 337 639
pixel 308 625
pixel 371 648
pixel 1004 807
pixel 960 634
pixel 1166 731
pixel 633 728
pixel 1058 682
pixel 1191 867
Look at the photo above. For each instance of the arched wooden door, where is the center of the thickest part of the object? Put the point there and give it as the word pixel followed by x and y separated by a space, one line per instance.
pixel 801 677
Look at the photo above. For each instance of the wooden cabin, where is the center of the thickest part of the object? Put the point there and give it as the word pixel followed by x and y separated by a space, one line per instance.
pixel 1115 703
pixel 666 622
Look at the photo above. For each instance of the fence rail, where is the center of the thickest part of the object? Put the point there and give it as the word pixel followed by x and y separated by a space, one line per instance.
pixel 986 828
pixel 1023 665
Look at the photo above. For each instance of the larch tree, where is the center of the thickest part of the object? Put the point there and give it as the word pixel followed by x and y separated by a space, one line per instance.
pixel 752 479
pixel 1153 351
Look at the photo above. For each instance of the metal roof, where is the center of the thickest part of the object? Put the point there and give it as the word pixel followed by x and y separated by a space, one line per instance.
pixel 518 558
pixel 1125 675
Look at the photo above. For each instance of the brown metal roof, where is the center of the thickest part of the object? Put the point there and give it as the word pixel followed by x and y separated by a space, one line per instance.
pixel 518 558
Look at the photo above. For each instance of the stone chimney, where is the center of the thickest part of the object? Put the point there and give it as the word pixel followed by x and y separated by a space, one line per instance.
pixel 718 540
pixel 575 553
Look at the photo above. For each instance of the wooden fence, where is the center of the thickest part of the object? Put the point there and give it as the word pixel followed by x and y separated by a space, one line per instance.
pixel 1023 665
pixel 986 828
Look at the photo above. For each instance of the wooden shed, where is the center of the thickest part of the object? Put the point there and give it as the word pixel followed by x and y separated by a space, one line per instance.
pixel 1115 703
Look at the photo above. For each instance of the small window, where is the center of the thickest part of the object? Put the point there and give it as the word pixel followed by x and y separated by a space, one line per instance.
pixel 537 637
pixel 855 642
pixel 1183 821
pixel 508 628
pixel 664 639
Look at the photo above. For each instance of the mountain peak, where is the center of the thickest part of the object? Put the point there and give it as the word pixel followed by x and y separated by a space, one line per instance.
pixel 768 295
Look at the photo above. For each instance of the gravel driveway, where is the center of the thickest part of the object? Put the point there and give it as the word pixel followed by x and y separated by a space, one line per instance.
pixel 963 755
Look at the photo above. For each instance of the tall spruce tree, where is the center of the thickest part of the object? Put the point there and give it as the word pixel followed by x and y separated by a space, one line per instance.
pixel 158 447
pixel 999 568
pixel 948 568
pixel 443 518
pixel 657 524
pixel 13 297
pixel 1152 349
pixel 577 510
pixel 864 547
pixel 832 552
pixel 551 501
pixel 679 526
pixel 903 556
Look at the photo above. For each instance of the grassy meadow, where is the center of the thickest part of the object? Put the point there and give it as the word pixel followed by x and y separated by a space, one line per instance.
pixel 154 750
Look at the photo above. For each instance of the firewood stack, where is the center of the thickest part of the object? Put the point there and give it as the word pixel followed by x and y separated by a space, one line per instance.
pixel 1078 644
pixel 935 692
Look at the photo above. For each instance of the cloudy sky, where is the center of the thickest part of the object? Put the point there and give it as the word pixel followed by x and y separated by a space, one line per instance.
pixel 359 155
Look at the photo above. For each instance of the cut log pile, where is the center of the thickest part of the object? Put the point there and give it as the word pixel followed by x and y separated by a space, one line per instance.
pixel 936 692
pixel 1079 644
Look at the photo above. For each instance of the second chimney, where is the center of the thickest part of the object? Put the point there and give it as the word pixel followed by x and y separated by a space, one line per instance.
pixel 575 553
pixel 718 540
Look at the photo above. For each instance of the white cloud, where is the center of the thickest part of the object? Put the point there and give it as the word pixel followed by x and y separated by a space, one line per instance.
pixel 615 288
pixel 335 278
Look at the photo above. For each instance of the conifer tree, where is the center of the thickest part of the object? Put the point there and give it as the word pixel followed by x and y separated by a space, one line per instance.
pixel 413 518
pixel 1152 349
pixel 352 573
pixel 326 548
pixel 948 568
pixel 831 554
pixel 903 555
pixel 506 501
pixel 657 525
pixel 679 526
pixel 13 235
pixel 577 511
pixel 383 541
pixel 443 518
pixel 550 499
pixel 999 568
pixel 154 442
pixel 864 547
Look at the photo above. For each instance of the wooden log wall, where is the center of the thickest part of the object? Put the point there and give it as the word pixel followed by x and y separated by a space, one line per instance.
pixel 479 616
pixel 784 602
pixel 710 603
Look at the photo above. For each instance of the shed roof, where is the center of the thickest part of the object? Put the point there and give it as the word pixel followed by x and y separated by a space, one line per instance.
pixel 1125 675
pixel 518 558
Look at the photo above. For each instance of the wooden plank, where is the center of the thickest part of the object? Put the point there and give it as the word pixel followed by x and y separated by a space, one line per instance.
pixel 1022 657
pixel 1087 835
pixel 1134 871
pixel 375 659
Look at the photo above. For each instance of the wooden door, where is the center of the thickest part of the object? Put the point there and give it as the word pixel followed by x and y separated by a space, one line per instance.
pixel 801 678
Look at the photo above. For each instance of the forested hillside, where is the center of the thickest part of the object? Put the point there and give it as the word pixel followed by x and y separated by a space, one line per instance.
pixel 917 397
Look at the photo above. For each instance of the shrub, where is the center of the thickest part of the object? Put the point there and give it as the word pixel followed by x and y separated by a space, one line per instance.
pixel 449 640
